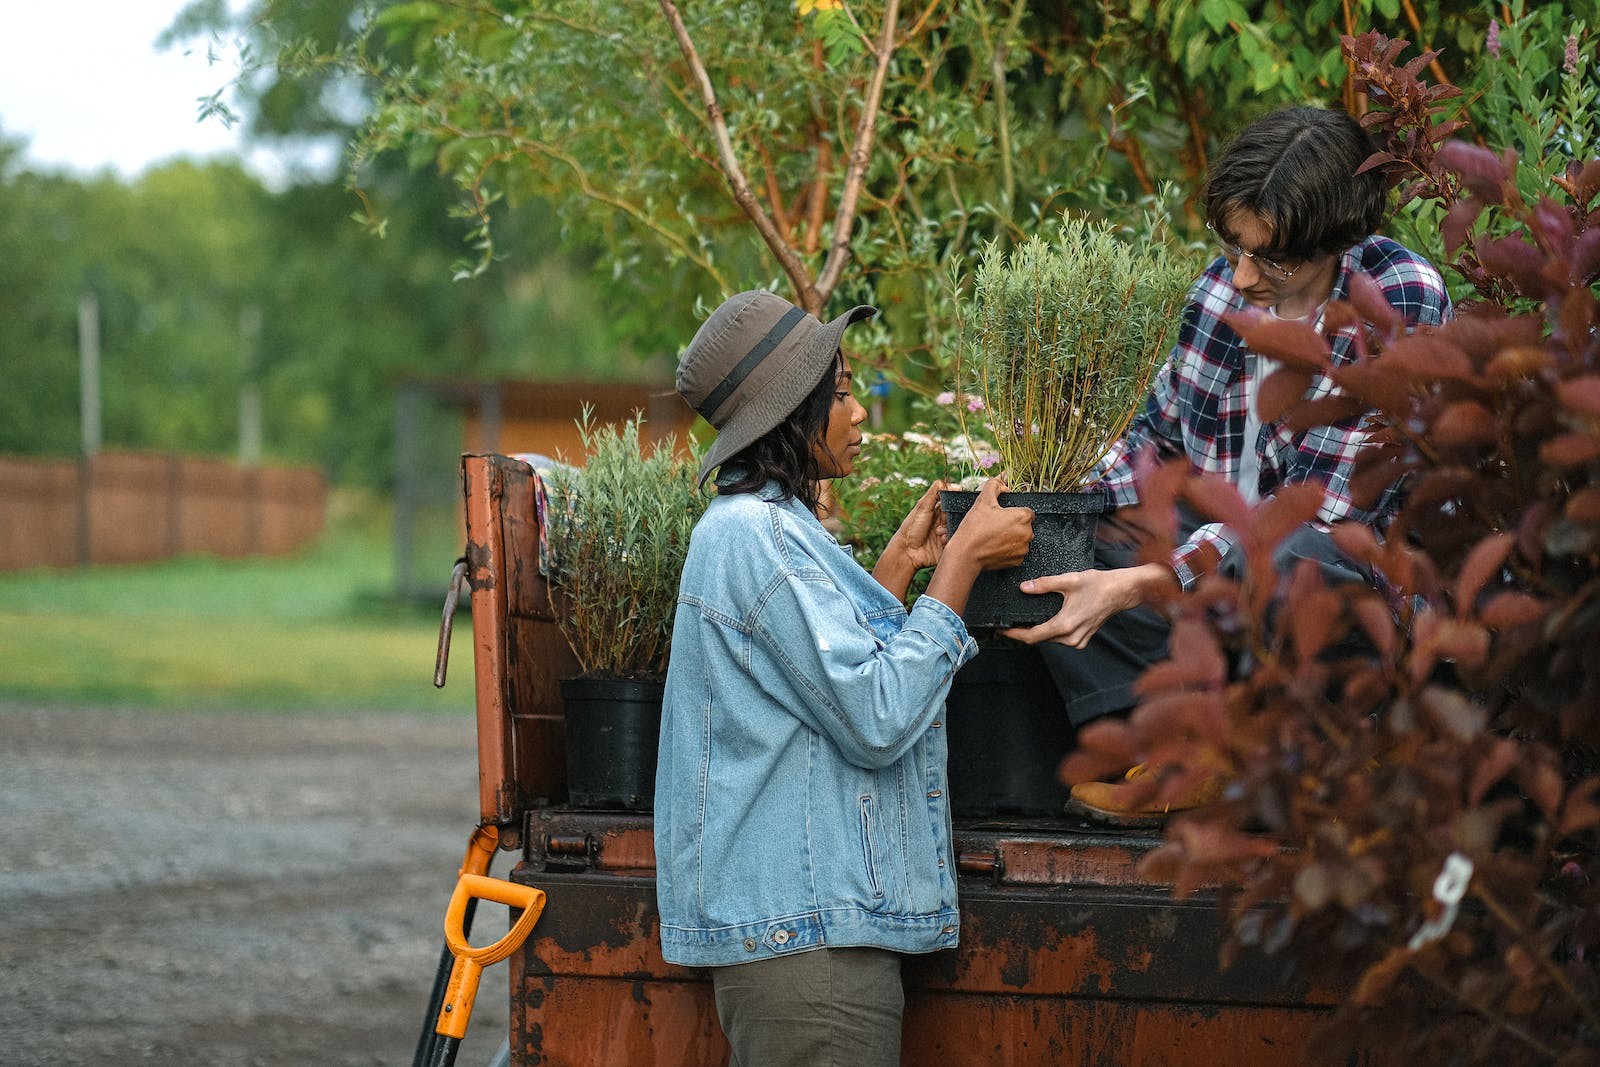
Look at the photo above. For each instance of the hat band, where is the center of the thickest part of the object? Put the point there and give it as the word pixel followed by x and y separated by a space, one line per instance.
pixel 752 359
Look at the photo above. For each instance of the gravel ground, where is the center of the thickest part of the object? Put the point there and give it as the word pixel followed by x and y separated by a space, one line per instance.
pixel 232 888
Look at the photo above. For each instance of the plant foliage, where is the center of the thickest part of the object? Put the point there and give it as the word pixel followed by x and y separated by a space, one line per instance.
pixel 1060 339
pixel 617 536
pixel 1414 800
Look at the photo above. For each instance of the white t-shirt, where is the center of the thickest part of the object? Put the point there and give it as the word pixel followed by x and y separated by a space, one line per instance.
pixel 1257 369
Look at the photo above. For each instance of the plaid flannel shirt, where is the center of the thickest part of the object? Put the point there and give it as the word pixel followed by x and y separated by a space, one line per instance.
pixel 1196 406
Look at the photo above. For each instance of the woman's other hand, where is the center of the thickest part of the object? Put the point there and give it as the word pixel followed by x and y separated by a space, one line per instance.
pixel 918 543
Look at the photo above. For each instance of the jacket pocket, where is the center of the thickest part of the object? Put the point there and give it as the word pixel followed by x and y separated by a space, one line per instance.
pixel 869 853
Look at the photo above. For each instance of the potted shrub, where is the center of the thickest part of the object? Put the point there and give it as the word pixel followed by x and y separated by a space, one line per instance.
pixel 617 530
pixel 1056 349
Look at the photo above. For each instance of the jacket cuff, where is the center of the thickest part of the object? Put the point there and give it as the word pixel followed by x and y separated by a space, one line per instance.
pixel 942 626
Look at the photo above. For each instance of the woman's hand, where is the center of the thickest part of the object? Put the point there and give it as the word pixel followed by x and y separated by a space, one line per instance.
pixel 988 538
pixel 918 543
pixel 991 535
pixel 923 532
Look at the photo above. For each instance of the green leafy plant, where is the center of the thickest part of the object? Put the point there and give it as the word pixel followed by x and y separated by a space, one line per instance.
pixel 1059 341
pixel 1414 805
pixel 617 535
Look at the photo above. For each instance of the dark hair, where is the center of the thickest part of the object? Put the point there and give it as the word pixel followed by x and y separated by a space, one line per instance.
pixel 1296 168
pixel 785 453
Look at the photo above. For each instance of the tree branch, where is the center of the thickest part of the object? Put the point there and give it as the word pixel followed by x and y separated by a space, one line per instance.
pixel 860 155
pixel 799 276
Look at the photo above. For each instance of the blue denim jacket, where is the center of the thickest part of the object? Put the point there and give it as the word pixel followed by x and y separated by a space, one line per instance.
pixel 800 790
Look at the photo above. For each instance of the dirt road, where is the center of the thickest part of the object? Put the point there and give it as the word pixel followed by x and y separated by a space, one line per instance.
pixel 231 888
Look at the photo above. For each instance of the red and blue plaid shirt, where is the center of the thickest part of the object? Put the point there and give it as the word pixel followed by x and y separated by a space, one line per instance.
pixel 1197 402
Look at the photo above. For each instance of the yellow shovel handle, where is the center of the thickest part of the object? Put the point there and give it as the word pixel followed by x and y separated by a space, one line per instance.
pixel 462 989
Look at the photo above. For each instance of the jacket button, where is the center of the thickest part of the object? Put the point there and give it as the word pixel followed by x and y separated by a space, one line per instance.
pixel 936 725
pixel 749 944
pixel 936 794
pixel 948 930
pixel 941 863
pixel 781 937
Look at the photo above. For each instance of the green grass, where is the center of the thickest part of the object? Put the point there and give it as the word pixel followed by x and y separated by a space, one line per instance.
pixel 317 630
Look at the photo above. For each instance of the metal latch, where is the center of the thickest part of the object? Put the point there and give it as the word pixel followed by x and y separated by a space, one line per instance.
pixel 441 658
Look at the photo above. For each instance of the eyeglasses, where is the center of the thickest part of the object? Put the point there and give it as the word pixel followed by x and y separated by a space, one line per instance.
pixel 1270 267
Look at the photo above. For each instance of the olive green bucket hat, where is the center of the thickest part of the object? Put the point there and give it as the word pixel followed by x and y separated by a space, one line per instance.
pixel 752 363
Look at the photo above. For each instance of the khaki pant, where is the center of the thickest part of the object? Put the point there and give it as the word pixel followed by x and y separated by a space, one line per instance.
pixel 838 1007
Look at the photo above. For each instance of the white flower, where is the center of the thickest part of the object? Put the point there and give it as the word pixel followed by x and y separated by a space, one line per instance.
pixel 945 399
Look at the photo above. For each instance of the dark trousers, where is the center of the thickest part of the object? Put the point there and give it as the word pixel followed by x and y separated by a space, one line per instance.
pixel 1098 679
pixel 826 1007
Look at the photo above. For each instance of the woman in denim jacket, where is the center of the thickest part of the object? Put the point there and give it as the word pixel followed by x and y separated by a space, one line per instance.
pixel 801 825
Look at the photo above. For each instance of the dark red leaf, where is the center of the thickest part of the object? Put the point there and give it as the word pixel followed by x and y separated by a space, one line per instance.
pixel 1581 810
pixel 1377 622
pixel 1580 394
pixel 1429 357
pixel 1530 531
pixel 1493 767
pixel 1463 425
pixel 1290 508
pixel 1327 410
pixel 1458 220
pixel 1368 298
pixel 1282 390
pixel 1570 450
pixel 1584 506
pixel 1386 389
pixel 1194 662
pixel 1585 258
pixel 1506 611
pixel 1217 501
pixel 1450 710
pixel 1577 318
pixel 1377 159
pixel 1289 341
pixel 1485 173
pixel 1542 782
pixel 1517 261
pixel 1523 361
pixel 1481 564
pixel 1372 990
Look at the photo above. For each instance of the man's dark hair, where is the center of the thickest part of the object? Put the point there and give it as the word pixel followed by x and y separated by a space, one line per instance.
pixel 1296 168
pixel 784 453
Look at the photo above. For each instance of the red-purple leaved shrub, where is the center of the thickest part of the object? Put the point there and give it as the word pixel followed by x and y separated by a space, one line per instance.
pixel 1414 807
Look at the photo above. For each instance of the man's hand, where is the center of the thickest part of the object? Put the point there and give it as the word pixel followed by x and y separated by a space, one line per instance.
pixel 1092 597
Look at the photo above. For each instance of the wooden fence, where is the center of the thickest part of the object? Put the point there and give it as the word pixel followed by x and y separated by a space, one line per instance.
pixel 130 507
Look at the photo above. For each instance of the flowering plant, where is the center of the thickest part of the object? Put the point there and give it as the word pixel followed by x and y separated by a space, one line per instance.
pixel 1059 342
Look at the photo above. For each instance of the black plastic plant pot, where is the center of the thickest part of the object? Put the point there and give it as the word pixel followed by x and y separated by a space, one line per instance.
pixel 1008 732
pixel 613 732
pixel 1063 540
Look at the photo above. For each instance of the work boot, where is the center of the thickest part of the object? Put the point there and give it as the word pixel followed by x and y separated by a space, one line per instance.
pixel 1132 801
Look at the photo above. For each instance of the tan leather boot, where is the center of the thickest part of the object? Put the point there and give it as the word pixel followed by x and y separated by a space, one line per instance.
pixel 1133 801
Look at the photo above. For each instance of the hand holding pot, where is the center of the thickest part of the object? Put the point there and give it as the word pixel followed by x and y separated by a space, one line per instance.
pixel 1090 598
pixel 990 537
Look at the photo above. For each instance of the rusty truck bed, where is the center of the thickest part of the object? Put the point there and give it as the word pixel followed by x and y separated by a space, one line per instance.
pixel 1066 955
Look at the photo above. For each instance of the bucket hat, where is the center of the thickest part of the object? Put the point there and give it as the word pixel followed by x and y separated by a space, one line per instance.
pixel 752 363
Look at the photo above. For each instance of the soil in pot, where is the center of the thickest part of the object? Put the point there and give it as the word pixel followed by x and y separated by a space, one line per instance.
pixel 1063 540
pixel 613 732
pixel 1008 733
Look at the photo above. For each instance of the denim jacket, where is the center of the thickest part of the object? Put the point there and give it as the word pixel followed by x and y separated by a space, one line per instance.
pixel 800 789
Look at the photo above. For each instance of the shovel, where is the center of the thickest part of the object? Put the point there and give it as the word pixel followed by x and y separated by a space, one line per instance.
pixel 461 965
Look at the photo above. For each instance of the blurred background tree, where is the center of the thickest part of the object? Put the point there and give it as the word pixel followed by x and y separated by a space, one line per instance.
pixel 558 160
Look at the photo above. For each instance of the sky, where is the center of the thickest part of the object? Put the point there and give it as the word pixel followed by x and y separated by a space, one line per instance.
pixel 85 86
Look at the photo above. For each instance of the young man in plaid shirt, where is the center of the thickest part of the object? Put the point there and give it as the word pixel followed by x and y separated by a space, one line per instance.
pixel 1295 223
